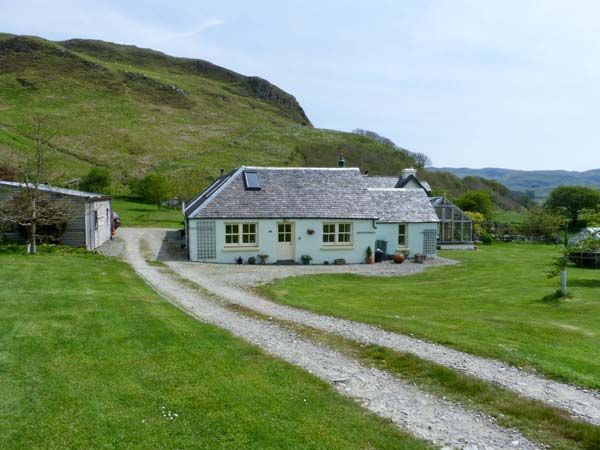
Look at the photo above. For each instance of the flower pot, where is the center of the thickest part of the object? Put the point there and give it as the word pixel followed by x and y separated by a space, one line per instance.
pixel 398 258
pixel 370 260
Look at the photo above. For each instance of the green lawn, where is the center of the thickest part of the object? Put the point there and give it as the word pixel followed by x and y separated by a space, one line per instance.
pixel 91 357
pixel 502 216
pixel 135 213
pixel 497 303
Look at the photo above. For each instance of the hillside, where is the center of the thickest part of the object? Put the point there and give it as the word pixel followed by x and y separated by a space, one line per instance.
pixel 135 110
pixel 537 182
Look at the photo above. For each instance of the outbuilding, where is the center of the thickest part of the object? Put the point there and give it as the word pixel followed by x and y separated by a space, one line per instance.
pixel 91 223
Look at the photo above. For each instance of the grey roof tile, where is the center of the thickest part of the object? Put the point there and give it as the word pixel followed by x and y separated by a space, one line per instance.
pixel 291 193
pixel 311 193
pixel 403 205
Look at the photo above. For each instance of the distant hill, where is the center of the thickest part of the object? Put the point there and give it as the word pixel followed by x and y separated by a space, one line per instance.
pixel 538 182
pixel 134 110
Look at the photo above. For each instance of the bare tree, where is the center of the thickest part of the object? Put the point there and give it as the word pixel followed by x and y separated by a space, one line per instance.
pixel 32 207
pixel 421 160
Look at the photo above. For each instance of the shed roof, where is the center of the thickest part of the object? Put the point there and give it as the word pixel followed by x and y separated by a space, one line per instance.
pixel 395 205
pixel 57 190
pixel 336 193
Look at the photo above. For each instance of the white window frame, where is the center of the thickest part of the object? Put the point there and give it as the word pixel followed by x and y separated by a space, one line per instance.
pixel 403 235
pixel 240 233
pixel 336 234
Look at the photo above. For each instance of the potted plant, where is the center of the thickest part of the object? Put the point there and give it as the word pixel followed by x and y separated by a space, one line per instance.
pixel 369 255
pixel 239 260
pixel 306 259
pixel 339 261
pixel 398 258
pixel 252 260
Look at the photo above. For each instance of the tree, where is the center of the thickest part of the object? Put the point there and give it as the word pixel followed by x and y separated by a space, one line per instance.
pixel 542 223
pixel 476 201
pixel 572 199
pixel 591 217
pixel 32 207
pixel 421 160
pixel 96 180
pixel 154 188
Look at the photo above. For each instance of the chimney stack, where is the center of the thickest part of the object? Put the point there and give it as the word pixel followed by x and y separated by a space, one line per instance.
pixel 341 161
pixel 408 172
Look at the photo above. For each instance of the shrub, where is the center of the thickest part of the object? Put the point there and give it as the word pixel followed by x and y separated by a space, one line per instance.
pixel 97 180
pixel 476 201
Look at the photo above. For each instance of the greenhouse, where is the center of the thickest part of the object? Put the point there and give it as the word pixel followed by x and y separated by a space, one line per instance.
pixel 455 229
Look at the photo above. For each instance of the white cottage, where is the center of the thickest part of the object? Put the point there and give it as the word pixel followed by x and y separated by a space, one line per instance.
pixel 282 214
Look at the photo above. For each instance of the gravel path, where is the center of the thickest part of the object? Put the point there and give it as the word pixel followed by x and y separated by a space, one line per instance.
pixel 582 404
pixel 444 423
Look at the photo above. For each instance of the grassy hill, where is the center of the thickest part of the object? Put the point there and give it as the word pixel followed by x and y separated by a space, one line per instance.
pixel 135 110
pixel 539 182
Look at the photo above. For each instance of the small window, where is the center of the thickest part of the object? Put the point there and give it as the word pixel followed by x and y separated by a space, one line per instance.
pixel 252 181
pixel 402 235
pixel 241 234
pixel 95 219
pixel 337 233
pixel 232 234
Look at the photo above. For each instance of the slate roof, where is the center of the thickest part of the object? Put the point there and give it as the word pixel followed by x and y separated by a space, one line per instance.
pixel 318 193
pixel 323 193
pixel 58 190
pixel 403 205
pixel 393 182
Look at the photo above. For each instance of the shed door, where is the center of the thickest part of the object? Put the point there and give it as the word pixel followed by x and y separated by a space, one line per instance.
pixel 285 241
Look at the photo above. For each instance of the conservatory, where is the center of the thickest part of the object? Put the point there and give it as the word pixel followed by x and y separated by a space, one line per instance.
pixel 455 229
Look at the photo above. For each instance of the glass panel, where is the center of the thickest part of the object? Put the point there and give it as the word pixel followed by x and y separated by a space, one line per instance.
pixel 329 232
pixel 252 181
pixel 344 234
pixel 401 234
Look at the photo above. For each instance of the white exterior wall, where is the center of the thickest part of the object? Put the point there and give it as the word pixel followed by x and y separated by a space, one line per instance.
pixel 389 232
pixel 363 236
pixel 98 234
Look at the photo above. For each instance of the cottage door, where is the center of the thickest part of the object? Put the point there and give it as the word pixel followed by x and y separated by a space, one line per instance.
pixel 285 241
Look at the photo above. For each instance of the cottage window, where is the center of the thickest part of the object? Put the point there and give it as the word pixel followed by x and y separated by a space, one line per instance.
pixel 337 233
pixel 95 219
pixel 241 234
pixel 402 235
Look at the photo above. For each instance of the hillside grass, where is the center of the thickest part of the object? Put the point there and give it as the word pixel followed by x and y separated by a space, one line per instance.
pixel 91 357
pixel 135 213
pixel 497 303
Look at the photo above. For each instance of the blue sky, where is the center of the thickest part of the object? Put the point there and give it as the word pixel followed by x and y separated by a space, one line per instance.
pixel 471 83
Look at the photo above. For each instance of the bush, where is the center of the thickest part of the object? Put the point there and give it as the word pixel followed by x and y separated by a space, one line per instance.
pixel 97 180
pixel 476 201
pixel 153 188
pixel 486 238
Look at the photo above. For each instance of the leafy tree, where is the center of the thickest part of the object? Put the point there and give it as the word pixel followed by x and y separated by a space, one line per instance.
pixel 96 180
pixel 476 201
pixel 572 199
pixel 591 217
pixel 154 188
pixel 542 223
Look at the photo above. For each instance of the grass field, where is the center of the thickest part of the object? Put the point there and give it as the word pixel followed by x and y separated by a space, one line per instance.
pixel 502 216
pixel 91 357
pixel 135 213
pixel 497 303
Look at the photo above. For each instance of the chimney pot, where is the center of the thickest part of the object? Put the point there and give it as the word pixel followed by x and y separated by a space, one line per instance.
pixel 408 172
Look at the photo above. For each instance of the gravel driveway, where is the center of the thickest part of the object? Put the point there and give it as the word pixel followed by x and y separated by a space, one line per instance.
pixel 440 421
